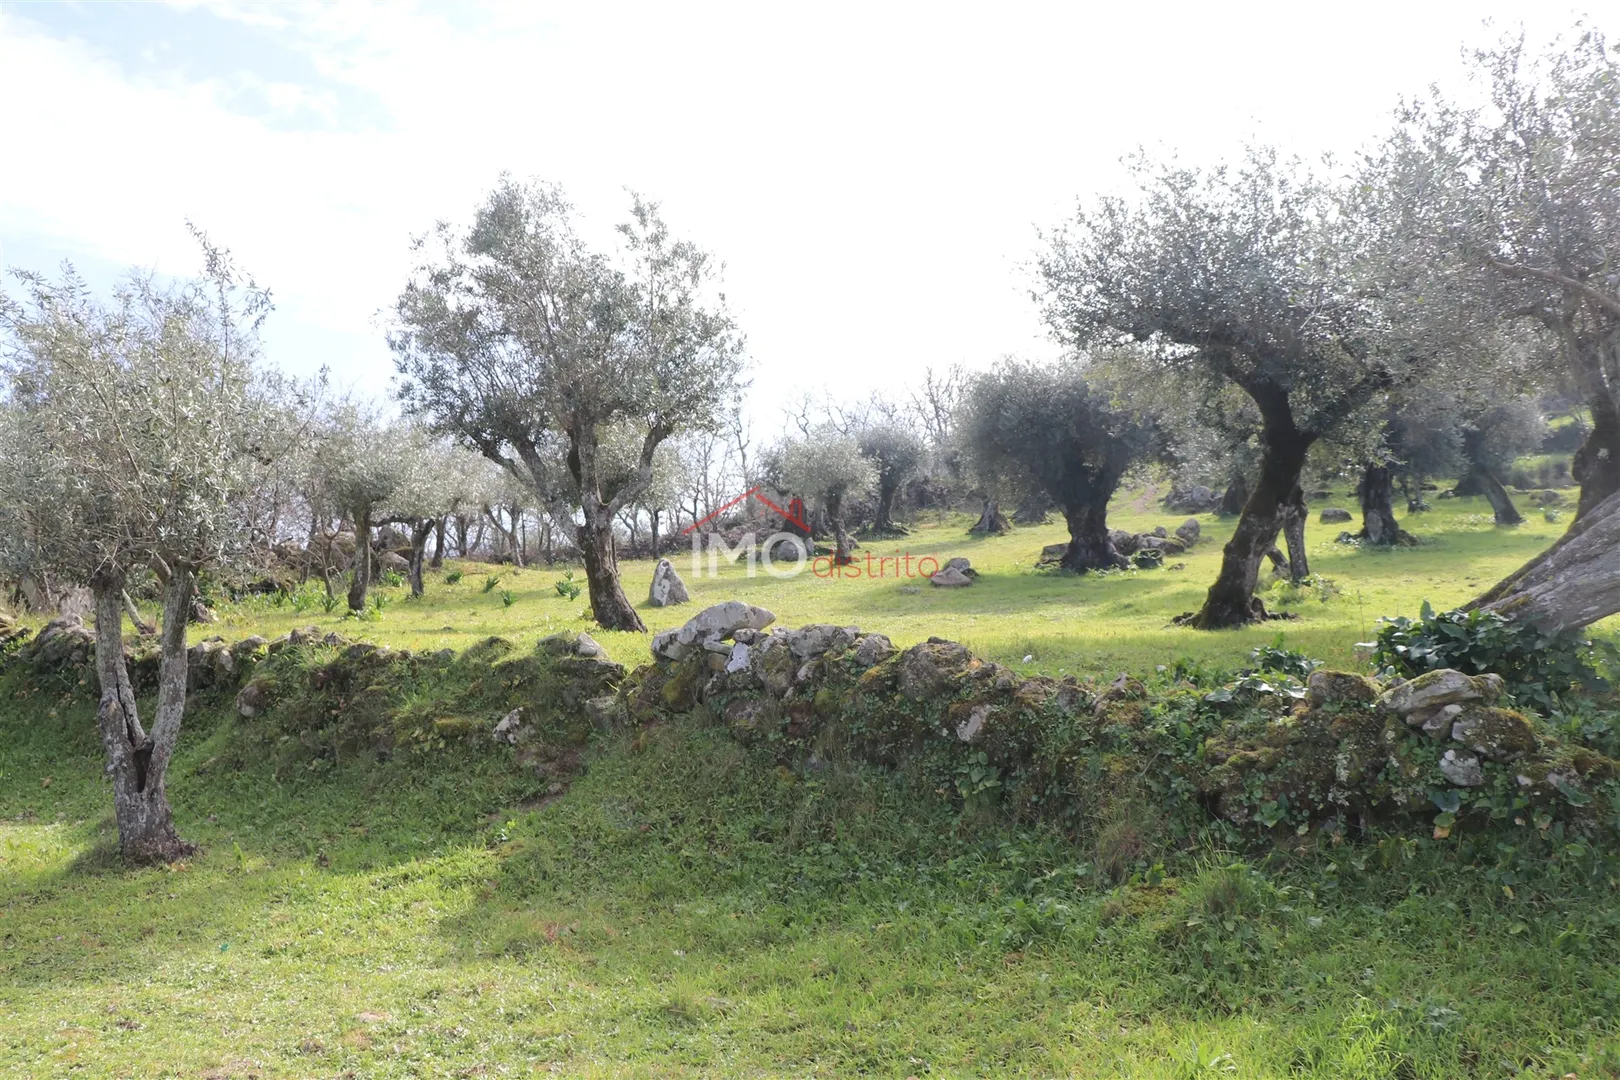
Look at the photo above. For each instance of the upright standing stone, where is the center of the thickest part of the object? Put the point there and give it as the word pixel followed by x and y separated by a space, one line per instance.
pixel 667 586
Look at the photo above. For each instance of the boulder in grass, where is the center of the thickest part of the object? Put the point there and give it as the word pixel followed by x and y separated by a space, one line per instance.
pixel 950 578
pixel 1125 543
pixel 723 620
pixel 1195 499
pixel 667 586
pixel 1334 515
pixel 1052 554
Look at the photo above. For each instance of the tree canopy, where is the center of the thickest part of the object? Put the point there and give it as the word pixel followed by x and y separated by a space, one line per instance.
pixel 514 335
pixel 1047 429
pixel 1255 274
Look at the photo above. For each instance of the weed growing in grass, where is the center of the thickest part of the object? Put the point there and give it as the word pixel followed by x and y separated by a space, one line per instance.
pixel 490 582
pixel 1277 657
pixel 508 598
pixel 454 576
pixel 1285 593
pixel 567 587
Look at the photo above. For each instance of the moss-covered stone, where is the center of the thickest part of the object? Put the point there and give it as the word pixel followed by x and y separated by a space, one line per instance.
pixel 1336 687
pixel 1499 734
pixel 1442 687
pixel 679 691
pixel 925 672
pixel 748 718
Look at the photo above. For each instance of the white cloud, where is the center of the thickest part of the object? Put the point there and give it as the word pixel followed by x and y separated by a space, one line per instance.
pixel 872 175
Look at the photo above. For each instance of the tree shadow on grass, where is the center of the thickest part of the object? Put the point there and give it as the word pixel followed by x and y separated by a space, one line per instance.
pixel 81 912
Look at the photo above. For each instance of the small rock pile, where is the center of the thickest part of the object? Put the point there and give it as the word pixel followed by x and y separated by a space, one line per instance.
pixel 1193 499
pixel 63 643
pixel 1143 550
pixel 1451 706
pixel 710 629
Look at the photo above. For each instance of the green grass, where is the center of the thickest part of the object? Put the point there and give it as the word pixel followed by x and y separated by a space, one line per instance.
pixel 689 908
pixel 1065 623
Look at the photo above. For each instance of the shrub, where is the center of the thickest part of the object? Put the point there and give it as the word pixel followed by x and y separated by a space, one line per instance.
pixel 1539 669
pixel 1284 661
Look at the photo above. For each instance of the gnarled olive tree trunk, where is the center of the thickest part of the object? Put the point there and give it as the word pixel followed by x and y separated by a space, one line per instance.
pixel 361 579
pixel 844 549
pixel 1231 600
pixel 1596 466
pixel 1502 507
pixel 421 529
pixel 1089 546
pixel 138 762
pixel 1235 497
pixel 608 602
pixel 1294 514
pixel 1572 584
pixel 438 545
pixel 992 522
pixel 883 523
pixel 1377 493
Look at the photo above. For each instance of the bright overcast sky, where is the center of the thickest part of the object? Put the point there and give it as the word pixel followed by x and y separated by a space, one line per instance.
pixel 872 175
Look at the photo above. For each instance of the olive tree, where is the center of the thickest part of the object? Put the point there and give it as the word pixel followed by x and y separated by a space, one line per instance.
pixel 896 452
pixel 1513 209
pixel 1046 428
pixel 435 479
pixel 1493 436
pixel 516 335
pixel 1245 274
pixel 134 435
pixel 828 468
pixel 365 463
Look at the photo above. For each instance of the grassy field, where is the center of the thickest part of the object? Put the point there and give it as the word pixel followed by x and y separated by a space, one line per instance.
pixel 1065 623
pixel 688 908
